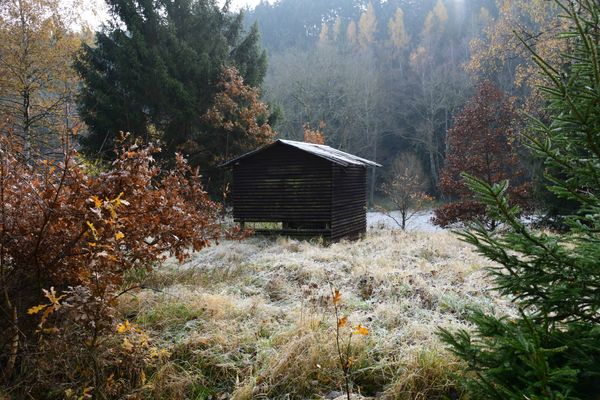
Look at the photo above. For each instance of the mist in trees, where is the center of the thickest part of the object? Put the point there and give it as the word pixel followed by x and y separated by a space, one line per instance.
pixel 384 78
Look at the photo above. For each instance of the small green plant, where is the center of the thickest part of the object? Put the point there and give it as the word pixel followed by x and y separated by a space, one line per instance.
pixel 343 339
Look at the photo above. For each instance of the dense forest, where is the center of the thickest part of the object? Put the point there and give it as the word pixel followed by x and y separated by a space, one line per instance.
pixel 386 78
pixel 380 79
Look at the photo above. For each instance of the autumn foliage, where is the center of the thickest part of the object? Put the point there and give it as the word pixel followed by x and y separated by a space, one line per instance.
pixel 343 339
pixel 37 84
pixel 238 116
pixel 67 239
pixel 482 144
pixel 314 136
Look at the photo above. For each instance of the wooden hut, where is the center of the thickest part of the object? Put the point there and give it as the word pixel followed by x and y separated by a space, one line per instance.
pixel 300 189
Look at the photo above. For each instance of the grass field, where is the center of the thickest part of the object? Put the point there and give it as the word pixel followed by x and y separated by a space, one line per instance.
pixel 254 319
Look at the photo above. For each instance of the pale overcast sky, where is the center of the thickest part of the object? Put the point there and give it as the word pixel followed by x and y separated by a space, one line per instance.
pixel 237 4
pixel 95 9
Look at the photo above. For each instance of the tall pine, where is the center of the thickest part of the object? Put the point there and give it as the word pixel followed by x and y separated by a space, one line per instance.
pixel 551 349
pixel 154 71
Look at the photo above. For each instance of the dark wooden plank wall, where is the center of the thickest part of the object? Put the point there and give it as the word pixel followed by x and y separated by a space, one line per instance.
pixel 349 193
pixel 284 184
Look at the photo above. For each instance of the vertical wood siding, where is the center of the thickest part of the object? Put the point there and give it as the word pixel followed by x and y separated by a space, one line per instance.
pixel 349 216
pixel 309 195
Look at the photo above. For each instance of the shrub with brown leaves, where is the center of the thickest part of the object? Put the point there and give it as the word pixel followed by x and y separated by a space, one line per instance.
pixel 74 234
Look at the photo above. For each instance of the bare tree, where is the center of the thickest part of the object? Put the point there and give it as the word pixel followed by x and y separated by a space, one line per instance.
pixel 405 189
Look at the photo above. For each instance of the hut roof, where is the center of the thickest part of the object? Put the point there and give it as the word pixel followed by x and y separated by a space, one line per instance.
pixel 319 150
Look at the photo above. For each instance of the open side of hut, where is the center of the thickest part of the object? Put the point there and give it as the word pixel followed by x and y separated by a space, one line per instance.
pixel 300 189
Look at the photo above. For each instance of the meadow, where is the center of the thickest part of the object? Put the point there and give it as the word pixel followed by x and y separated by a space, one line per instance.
pixel 254 318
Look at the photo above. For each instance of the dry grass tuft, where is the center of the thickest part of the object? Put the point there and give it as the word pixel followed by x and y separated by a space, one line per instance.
pixel 425 374
pixel 253 320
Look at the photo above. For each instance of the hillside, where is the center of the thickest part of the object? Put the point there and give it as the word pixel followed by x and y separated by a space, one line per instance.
pixel 253 319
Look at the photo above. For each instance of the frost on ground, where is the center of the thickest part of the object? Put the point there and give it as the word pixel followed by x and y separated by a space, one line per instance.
pixel 253 319
pixel 419 222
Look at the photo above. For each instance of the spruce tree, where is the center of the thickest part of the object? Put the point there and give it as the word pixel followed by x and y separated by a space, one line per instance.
pixel 551 349
pixel 154 71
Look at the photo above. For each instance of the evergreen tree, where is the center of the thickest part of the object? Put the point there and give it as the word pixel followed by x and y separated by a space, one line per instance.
pixel 154 71
pixel 551 349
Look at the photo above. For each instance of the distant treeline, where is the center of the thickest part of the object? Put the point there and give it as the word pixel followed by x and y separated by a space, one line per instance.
pixel 387 78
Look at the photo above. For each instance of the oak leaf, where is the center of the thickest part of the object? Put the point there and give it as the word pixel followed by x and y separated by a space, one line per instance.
pixel 361 330
pixel 337 297
pixel 36 309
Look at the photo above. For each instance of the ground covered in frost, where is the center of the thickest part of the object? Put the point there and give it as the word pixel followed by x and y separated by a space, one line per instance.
pixel 254 319
pixel 419 222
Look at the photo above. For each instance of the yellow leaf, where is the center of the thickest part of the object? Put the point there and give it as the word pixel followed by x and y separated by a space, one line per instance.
pixel 92 229
pixel 51 295
pixel 118 200
pixel 97 201
pixel 337 297
pixel 46 314
pixel 119 235
pixel 36 309
pixel 86 394
pixel 124 327
pixel 153 352
pixel 113 213
pixel 342 322
pixel 143 340
pixel 361 330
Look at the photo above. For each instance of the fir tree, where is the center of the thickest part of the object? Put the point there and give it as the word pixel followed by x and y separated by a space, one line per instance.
pixel 551 350
pixel 155 70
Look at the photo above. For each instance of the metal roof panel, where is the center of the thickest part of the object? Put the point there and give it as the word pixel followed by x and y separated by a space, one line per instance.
pixel 320 150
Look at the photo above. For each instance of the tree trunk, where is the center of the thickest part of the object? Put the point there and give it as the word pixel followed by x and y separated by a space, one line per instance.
pixel 373 172
pixel 26 124
pixel 431 150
